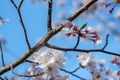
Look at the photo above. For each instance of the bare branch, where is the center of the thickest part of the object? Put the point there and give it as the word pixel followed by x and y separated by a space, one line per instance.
pixel 49 15
pixel 24 75
pixel 73 74
pixel 2 56
pixel 20 4
pixel 82 9
pixel 75 70
pixel 21 21
pixel 82 50
pixel 12 1
pixel 106 42
pixel 77 43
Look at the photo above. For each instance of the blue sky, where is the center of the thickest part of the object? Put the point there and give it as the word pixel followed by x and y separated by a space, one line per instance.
pixel 35 20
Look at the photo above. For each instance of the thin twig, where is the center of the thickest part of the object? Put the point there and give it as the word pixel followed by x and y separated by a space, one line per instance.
pixel 2 56
pixel 106 42
pixel 21 21
pixel 25 75
pixel 12 1
pixel 20 4
pixel 82 50
pixel 49 15
pixel 82 9
pixel 75 70
pixel 73 74
pixel 77 43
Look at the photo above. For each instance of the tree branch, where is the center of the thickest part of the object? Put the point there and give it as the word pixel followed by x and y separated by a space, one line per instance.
pixel 2 56
pixel 82 9
pixel 21 21
pixel 50 15
pixel 82 50
pixel 77 43
pixel 25 75
pixel 14 4
pixel 75 70
pixel 106 42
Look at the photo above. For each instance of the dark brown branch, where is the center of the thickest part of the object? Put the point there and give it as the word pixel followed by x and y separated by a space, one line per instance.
pixel 2 56
pixel 21 21
pixel 82 9
pixel 49 15
pixel 82 50
pixel 75 70
pixel 20 4
pixel 106 42
pixel 12 1
pixel 73 74
pixel 77 43
pixel 25 75
pixel 17 62
pixel 42 42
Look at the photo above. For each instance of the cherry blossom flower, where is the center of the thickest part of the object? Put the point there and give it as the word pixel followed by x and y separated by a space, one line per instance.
pixel 116 60
pixel 51 69
pixel 59 59
pixel 117 75
pixel 89 34
pixel 96 75
pixel 85 59
pixel 50 61
pixel 101 62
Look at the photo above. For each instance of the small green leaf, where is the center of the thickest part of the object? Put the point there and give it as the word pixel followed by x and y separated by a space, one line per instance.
pixel 83 26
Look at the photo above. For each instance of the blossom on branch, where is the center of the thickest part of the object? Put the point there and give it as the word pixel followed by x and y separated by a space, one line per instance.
pixel 50 61
pixel 116 60
pixel 89 34
pixel 85 60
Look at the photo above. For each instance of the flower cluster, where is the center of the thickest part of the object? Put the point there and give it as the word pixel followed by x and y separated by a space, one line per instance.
pixel 108 4
pixel 71 29
pixel 116 60
pixel 97 69
pixel 89 34
pixel 49 62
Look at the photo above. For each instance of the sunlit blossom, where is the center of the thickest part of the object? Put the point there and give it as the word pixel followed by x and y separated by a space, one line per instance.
pixel 50 61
